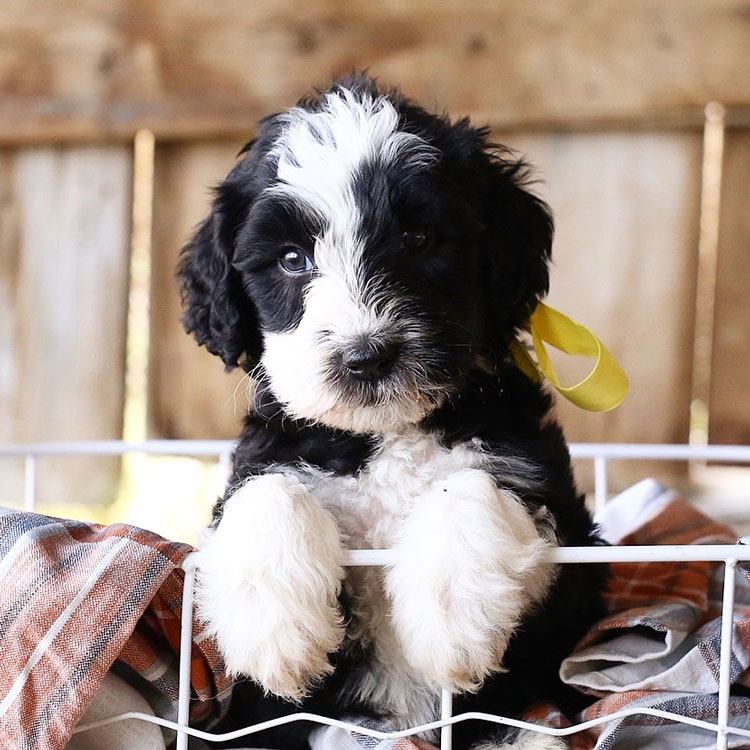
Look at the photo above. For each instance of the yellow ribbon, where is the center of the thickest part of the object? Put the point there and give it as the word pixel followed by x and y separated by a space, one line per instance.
pixel 602 389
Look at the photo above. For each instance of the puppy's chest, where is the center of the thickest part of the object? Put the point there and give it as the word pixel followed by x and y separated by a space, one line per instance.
pixel 370 510
pixel 370 507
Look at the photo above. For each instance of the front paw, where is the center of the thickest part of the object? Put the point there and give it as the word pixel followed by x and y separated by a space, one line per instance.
pixel 468 566
pixel 268 581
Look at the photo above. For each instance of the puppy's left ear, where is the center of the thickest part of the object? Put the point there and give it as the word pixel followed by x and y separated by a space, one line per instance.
pixel 517 244
pixel 216 310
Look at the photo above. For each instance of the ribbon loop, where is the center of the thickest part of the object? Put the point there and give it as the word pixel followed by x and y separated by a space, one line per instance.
pixel 602 389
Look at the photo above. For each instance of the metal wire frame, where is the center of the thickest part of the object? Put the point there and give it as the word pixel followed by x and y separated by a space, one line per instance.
pixel 601 454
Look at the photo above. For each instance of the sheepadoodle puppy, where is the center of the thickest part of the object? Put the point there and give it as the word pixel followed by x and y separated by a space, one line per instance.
pixel 368 263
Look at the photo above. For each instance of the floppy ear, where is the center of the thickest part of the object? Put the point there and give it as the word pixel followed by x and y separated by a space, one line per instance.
pixel 517 245
pixel 216 310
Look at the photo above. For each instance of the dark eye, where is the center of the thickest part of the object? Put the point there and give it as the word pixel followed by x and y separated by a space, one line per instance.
pixel 295 261
pixel 417 238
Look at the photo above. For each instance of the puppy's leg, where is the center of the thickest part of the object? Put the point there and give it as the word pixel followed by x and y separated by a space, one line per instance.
pixel 469 563
pixel 267 585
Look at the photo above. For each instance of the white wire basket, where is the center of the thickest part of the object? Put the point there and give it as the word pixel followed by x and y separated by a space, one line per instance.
pixel 601 454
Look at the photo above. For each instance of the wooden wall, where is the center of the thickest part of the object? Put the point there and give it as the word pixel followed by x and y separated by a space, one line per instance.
pixel 730 372
pixel 191 68
pixel 64 239
pixel 626 207
pixel 190 394
pixel 606 98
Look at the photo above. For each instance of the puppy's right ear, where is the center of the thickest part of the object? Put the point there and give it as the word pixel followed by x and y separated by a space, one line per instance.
pixel 216 309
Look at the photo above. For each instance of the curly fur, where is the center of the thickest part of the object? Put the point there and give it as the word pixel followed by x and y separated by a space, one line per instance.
pixel 369 263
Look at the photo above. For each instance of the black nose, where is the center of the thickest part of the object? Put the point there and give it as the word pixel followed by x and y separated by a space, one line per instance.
pixel 370 360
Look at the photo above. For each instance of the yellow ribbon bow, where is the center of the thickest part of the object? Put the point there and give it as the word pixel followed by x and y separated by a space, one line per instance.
pixel 602 389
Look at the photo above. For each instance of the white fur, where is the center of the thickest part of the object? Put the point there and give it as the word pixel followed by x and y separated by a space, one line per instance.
pixel 469 564
pixel 268 583
pixel 318 154
pixel 319 150
pixel 298 361
pixel 398 690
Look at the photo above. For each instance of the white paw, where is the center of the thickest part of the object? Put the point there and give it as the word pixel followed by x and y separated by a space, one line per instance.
pixel 268 582
pixel 469 563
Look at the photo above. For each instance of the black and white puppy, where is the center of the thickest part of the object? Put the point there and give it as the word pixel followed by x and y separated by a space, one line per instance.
pixel 368 263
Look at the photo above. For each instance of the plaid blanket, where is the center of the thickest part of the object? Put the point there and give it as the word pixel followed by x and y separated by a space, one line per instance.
pixel 74 597
pixel 659 646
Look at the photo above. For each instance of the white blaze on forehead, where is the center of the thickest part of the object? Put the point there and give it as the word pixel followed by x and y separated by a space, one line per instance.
pixel 319 152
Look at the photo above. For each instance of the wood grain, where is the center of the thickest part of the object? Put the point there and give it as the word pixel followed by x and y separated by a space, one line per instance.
pixel 626 208
pixel 729 404
pixel 64 239
pixel 190 395
pixel 102 69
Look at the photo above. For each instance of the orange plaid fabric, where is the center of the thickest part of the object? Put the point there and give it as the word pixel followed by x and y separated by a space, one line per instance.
pixel 74 597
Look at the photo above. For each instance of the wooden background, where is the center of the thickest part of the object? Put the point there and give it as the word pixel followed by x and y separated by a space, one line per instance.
pixel 605 97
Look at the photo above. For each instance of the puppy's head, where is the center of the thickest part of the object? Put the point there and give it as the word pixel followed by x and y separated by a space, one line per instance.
pixel 369 256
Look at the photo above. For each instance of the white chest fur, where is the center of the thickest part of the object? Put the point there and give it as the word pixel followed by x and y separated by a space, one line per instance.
pixel 371 511
pixel 468 561
pixel 370 507
pixel 453 533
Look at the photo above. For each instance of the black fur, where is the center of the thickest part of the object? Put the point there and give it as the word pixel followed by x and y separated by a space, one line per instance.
pixel 472 283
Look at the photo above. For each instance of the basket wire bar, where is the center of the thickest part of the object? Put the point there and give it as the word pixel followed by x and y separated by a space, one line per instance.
pixel 393 735
pixel 186 643
pixel 725 657
pixel 600 453
pixel 446 712
pixel 600 482
pixel 645 451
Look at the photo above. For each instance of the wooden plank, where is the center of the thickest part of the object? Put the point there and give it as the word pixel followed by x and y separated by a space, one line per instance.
pixel 190 69
pixel 729 405
pixel 190 395
pixel 626 209
pixel 64 243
